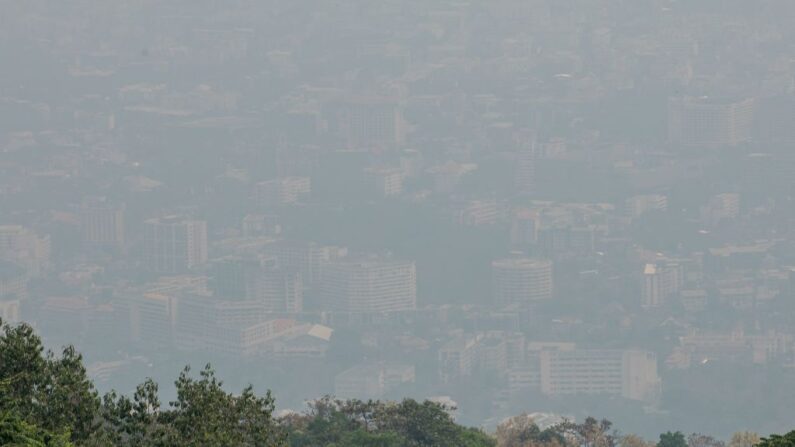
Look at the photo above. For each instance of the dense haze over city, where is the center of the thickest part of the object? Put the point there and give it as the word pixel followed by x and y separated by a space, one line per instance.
pixel 555 207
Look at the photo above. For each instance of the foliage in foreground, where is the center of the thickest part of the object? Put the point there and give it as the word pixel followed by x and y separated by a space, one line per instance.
pixel 373 423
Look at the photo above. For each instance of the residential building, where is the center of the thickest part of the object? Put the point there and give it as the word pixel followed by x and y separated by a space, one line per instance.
pixel 521 280
pixel 631 374
pixel 369 285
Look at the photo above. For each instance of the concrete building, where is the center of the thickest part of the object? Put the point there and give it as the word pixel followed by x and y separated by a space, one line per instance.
pixel 475 213
pixel 102 224
pixel 524 228
pixel 174 245
pixel 721 207
pixel 386 182
pixel 636 206
pixel 457 358
pixel 630 374
pixel 370 123
pixel 308 258
pixel 707 122
pixel 25 248
pixel 301 341
pixel 660 282
pixel 521 280
pixel 152 319
pixel 698 347
pixel 241 279
pixel 372 380
pixel 369 285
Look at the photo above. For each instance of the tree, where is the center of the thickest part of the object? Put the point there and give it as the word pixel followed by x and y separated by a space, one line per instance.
pixel 49 392
pixel 15 432
pixel 634 441
pixel 787 440
pixel 521 431
pixel 205 415
pixel 672 439
pixel 331 422
pixel 47 401
pixel 744 439
pixel 139 421
pixel 593 433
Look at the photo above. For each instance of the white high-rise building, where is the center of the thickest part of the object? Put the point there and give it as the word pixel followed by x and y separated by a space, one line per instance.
pixel 370 285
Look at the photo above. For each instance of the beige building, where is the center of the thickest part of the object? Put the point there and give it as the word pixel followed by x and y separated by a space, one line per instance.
pixel 631 374
pixel 660 282
pixel 521 280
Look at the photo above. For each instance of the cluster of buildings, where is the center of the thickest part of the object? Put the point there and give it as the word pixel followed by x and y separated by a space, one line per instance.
pixel 515 202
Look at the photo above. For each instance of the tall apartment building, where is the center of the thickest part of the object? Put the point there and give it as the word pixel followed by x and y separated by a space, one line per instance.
pixel 370 285
pixel 706 122
pixel 102 224
pixel 25 248
pixel 660 282
pixel 174 245
pixel 521 280
pixel 631 374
